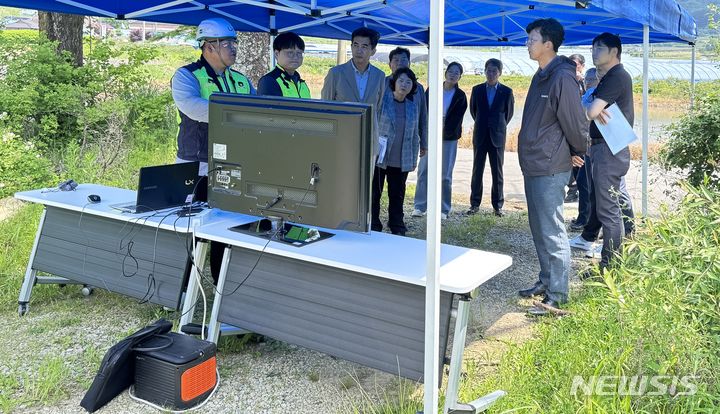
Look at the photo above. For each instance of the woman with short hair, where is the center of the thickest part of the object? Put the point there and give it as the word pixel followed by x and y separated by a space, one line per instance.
pixel 400 145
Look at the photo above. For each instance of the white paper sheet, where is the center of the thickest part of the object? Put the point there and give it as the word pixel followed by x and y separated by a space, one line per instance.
pixel 382 147
pixel 618 133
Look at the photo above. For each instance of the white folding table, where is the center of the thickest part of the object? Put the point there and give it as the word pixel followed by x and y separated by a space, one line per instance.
pixel 356 296
pixel 140 255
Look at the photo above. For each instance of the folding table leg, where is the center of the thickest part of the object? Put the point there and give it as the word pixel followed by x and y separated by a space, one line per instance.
pixel 214 326
pixel 30 273
pixel 452 406
pixel 191 294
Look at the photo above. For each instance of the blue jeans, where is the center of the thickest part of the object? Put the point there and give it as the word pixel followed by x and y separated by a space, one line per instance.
pixel 449 153
pixel 545 196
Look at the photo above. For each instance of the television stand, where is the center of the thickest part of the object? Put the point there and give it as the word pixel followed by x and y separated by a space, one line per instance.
pixel 277 229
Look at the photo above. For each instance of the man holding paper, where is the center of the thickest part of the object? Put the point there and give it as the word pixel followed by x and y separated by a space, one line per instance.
pixel 609 138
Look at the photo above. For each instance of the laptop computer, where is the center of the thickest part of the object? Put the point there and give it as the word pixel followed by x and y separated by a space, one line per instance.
pixel 164 186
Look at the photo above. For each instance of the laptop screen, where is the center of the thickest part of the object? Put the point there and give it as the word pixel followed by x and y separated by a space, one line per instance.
pixel 165 186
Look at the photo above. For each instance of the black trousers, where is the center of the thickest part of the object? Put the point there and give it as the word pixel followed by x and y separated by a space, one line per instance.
pixel 572 183
pixel 482 150
pixel 396 198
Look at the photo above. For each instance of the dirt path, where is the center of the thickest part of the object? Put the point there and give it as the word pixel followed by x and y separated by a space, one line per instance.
pixel 8 207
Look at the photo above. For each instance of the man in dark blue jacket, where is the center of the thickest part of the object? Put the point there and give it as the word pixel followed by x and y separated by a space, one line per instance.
pixel 491 106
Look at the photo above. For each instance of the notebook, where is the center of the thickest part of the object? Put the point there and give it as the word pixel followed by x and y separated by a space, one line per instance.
pixel 164 186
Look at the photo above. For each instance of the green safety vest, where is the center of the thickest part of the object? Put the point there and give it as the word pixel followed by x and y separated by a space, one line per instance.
pixel 193 135
pixel 289 88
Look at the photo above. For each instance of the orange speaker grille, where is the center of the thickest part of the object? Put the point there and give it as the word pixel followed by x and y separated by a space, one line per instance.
pixel 198 380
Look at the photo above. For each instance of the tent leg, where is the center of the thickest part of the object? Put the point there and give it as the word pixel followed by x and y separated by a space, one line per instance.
pixel 692 77
pixel 645 119
pixel 432 286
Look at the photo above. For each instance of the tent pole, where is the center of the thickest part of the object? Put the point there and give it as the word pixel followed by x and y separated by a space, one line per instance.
pixel 503 35
pixel 432 285
pixel 692 76
pixel 645 119
pixel 272 39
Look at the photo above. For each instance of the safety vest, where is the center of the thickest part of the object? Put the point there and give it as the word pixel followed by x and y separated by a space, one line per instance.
pixel 289 88
pixel 193 135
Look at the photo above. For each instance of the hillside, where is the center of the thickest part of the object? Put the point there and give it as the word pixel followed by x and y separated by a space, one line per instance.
pixel 699 10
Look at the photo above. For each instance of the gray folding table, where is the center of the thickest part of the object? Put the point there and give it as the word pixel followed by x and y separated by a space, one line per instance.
pixel 359 297
pixel 143 256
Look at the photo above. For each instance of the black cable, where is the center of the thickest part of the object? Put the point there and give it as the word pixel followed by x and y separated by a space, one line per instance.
pixel 280 228
pixel 152 283
pixel 262 252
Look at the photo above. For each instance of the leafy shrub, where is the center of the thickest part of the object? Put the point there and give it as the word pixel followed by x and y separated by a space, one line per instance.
pixel 21 166
pixel 41 91
pixel 107 102
pixel 694 145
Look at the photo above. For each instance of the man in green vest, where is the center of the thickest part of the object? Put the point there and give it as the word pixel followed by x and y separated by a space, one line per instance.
pixel 193 84
pixel 284 80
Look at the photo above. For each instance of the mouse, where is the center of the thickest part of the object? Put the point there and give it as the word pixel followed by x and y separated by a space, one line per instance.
pixel 94 198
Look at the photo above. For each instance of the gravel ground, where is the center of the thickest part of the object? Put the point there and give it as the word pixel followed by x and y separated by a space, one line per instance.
pixel 264 377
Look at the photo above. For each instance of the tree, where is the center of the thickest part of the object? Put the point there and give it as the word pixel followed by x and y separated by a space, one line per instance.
pixel 67 30
pixel 253 55
pixel 714 26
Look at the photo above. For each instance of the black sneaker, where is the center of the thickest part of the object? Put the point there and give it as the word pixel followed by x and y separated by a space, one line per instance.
pixel 473 210
pixel 575 226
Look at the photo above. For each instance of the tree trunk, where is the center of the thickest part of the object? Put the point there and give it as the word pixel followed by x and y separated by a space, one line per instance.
pixel 67 30
pixel 253 55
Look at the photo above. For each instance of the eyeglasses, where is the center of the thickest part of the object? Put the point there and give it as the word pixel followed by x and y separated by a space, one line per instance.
pixel 293 53
pixel 228 43
pixel 599 48
pixel 530 40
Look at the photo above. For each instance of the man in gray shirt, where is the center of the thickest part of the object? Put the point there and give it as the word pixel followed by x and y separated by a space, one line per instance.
pixel 358 80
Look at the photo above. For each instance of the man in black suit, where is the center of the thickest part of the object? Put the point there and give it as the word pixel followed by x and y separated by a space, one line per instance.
pixel 491 106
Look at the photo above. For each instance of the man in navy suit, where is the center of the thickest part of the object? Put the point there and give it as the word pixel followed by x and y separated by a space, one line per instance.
pixel 491 106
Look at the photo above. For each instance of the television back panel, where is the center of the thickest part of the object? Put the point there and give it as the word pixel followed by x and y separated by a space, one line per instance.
pixel 307 161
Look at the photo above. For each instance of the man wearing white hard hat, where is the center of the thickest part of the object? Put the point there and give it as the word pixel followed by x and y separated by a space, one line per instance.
pixel 193 84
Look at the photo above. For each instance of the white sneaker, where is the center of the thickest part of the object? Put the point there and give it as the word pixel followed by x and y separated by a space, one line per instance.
pixel 595 252
pixel 418 213
pixel 443 216
pixel 579 243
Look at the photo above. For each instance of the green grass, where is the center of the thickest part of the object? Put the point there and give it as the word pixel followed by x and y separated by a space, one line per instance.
pixel 9 385
pixel 16 242
pixel 47 384
pixel 655 314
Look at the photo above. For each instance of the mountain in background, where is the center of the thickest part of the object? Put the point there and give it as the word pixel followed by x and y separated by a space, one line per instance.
pixel 699 10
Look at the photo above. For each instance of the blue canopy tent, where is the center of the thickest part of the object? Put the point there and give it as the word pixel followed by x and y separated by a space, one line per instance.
pixel 403 22
pixel 433 23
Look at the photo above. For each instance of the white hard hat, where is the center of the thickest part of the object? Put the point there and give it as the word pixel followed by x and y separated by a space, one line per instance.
pixel 215 28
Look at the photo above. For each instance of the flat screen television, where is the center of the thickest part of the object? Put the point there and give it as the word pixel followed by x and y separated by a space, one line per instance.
pixel 304 161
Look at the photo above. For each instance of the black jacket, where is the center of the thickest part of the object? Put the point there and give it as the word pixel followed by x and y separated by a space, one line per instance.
pixel 452 127
pixel 554 125
pixel 491 120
